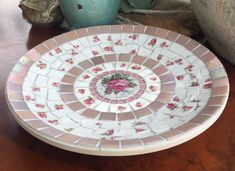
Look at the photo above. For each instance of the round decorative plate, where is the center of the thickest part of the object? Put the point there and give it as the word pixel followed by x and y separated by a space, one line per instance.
pixel 117 90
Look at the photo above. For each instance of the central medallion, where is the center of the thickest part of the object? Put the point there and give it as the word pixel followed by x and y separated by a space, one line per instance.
pixel 117 86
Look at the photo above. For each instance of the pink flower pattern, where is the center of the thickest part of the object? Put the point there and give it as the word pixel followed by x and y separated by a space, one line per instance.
pixel 133 52
pixel 81 91
pixel 153 78
pixel 41 106
pixel 136 67
pixel 133 37
pixel 96 39
pixel 153 42
pixel 59 107
pixel 53 121
pixel 164 44
pixel 186 108
pixel 118 43
pixel 42 114
pixel 58 50
pixel 41 65
pixel 95 53
pixel 137 130
pixel 108 49
pixel 180 77
pixel 117 83
pixel 153 88
pixel 109 132
pixel 121 108
pixel 85 76
pixel 97 69
pixel 122 65
pixel 56 84
pixel 89 101
pixel 109 38
pixel 69 61
pixel 172 106
pixel 139 104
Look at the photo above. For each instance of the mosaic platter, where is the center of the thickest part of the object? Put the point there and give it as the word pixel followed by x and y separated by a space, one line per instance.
pixel 117 90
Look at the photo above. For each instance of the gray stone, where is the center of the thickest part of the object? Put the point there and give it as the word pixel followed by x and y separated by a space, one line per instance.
pixel 217 20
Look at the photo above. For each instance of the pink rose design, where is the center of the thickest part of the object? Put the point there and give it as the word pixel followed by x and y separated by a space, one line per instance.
pixel 176 99
pixel 81 91
pixel 109 132
pixel 69 61
pixel 163 44
pixel 55 84
pixel 136 67
pixel 42 114
pixel 58 50
pixel 152 42
pixel 109 38
pixel 180 77
pixel 27 98
pixel 40 106
pixel 97 69
pixel 122 65
pixel 59 107
pixel 73 52
pixel 89 101
pixel 121 108
pixel 139 104
pixel 53 121
pixel 119 42
pixel 186 108
pixel 86 76
pixel 41 65
pixel 171 106
pixel 118 85
pixel 153 88
pixel 96 39
pixel 153 78
pixel 139 130
pixel 95 53
pixel 132 52
pixel 108 49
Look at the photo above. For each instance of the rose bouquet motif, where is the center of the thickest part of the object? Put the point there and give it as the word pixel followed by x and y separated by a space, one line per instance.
pixel 117 83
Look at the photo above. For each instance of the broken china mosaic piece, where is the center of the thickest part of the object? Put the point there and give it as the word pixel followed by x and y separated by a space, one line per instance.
pixel 117 90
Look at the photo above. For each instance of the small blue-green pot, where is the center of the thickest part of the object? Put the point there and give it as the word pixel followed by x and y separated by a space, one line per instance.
pixel 85 13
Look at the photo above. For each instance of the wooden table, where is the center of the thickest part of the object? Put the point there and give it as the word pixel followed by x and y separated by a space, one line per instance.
pixel 212 150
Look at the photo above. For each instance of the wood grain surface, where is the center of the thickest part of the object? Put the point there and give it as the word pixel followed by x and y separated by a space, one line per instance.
pixel 214 150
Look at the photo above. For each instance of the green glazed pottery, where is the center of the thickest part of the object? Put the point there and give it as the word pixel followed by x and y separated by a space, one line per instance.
pixel 85 13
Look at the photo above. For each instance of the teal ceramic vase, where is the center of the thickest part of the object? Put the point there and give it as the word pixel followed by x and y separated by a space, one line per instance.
pixel 85 13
